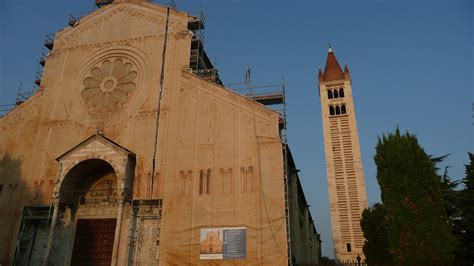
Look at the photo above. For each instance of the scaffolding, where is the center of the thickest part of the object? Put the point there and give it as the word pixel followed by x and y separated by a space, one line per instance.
pixel 23 95
pixel 5 108
pixel 274 97
pixel 31 238
pixel 101 3
pixel 199 62
pixel 144 231
pixel 74 19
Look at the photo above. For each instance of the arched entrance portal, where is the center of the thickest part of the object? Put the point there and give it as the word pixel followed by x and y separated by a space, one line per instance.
pixel 92 179
pixel 95 178
pixel 90 188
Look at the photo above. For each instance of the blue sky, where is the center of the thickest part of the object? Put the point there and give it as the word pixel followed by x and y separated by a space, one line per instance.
pixel 411 65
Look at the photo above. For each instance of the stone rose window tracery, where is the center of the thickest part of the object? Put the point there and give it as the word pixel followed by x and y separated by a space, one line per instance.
pixel 109 86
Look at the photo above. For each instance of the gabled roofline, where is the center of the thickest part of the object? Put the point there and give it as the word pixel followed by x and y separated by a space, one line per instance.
pixel 148 7
pixel 261 108
pixel 100 137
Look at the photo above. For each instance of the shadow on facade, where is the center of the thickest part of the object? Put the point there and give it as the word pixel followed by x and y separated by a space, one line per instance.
pixel 13 192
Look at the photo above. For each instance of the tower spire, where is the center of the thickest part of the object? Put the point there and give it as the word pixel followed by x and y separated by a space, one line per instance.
pixel 320 74
pixel 347 73
pixel 332 70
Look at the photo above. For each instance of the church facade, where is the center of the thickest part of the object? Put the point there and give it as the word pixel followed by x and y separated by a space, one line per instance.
pixel 126 156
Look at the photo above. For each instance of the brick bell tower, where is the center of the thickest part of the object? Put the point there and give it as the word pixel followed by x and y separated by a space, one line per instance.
pixel 346 185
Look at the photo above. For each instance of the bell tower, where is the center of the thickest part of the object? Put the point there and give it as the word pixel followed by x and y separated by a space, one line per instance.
pixel 346 185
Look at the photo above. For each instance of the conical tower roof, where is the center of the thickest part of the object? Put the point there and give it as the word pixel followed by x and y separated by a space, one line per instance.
pixel 333 70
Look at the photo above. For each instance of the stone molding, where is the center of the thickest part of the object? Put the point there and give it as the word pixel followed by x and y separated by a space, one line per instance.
pixel 100 147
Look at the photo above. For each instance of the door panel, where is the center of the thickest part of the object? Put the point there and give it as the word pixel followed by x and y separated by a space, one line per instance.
pixel 94 242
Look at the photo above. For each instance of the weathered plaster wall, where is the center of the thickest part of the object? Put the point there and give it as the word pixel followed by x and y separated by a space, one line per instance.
pixel 227 137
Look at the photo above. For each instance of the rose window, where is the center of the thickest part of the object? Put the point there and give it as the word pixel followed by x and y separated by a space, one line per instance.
pixel 109 86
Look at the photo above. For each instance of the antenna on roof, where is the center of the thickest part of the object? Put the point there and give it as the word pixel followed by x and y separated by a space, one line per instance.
pixel 248 79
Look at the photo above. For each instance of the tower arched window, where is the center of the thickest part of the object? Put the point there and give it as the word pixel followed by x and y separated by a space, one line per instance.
pixel 331 110
pixel 338 110
pixel 341 93
pixel 329 94
pixel 336 95
pixel 343 108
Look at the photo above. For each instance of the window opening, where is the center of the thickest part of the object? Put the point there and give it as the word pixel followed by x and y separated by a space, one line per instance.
pixel 343 109
pixel 331 110
pixel 329 94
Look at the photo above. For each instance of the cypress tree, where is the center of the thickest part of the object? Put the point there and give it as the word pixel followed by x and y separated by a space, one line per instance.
pixel 418 231
pixel 466 205
pixel 374 226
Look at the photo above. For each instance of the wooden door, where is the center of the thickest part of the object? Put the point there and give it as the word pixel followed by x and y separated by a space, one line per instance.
pixel 94 242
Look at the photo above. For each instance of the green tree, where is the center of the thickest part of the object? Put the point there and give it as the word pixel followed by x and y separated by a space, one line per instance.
pixel 374 226
pixel 418 231
pixel 450 196
pixel 466 205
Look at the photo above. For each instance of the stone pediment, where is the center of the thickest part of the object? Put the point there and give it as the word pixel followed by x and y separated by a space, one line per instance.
pixel 97 146
pixel 110 24
pixel 90 155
